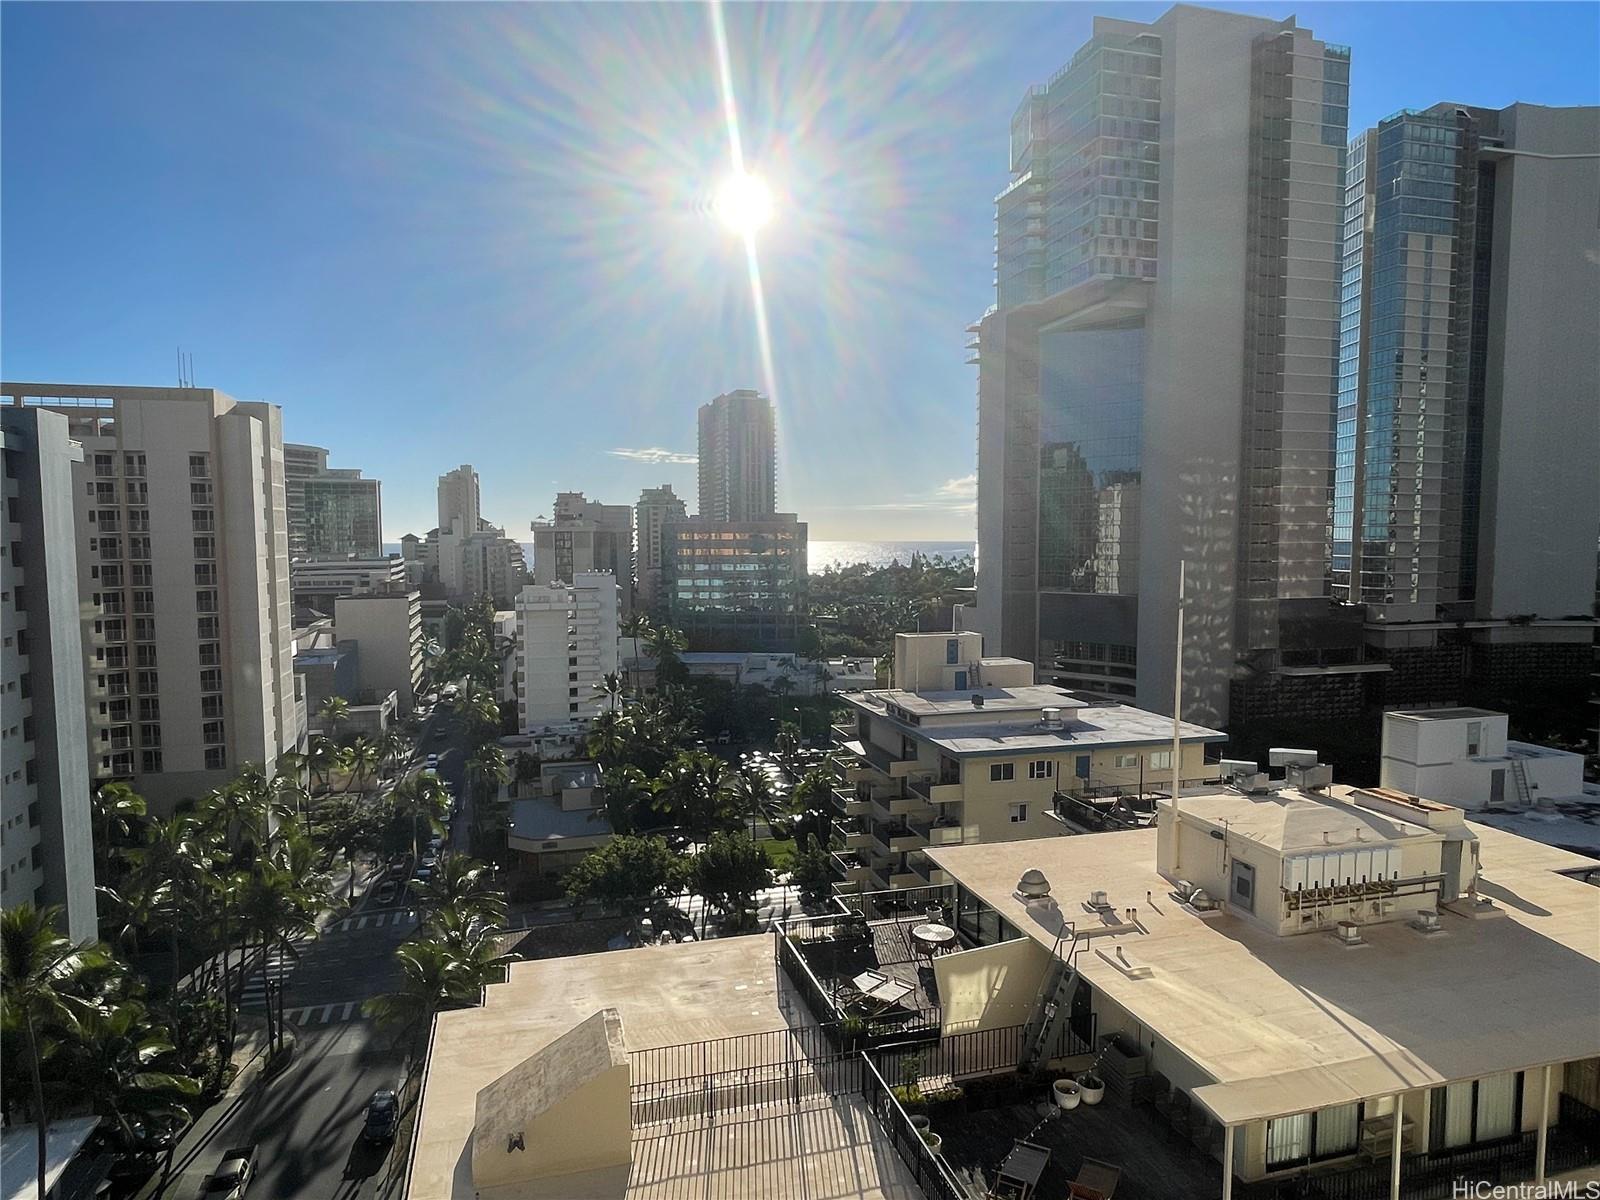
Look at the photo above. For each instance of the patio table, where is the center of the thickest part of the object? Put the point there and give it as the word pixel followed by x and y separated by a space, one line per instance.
pixel 932 937
pixel 1023 1166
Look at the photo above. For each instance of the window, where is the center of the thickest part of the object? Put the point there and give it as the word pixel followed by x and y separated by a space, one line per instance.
pixel 1127 761
pixel 200 493
pixel 211 679
pixel 209 627
pixel 1308 1137
pixel 952 651
pixel 211 731
pixel 197 467
pixel 150 761
pixel 133 463
pixel 144 629
pixel 1474 738
pixel 144 601
pixel 205 602
pixel 1242 890
pixel 203 520
pixel 149 708
pixel 1001 772
pixel 103 467
pixel 150 735
pixel 210 654
pixel 1475 1110
pixel 144 655
pixel 216 758
pixel 1041 768
pixel 139 548
pixel 1018 814
pixel 205 547
pixel 141 575
pixel 210 706
pixel 109 547
pixel 205 574
pixel 1161 760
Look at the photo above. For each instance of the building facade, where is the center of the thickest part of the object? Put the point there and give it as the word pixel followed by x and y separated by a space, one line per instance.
pixel 386 629
pixel 1469 395
pixel 656 508
pixel 738 457
pixel 1156 381
pixel 968 749
pixel 585 535
pixel 183 570
pixel 566 644
pixel 48 856
pixel 333 513
pixel 736 585
pixel 460 500
pixel 317 584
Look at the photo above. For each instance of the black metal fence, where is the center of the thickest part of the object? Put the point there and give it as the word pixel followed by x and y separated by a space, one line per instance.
pixel 926 1167
pixel 960 1056
pixel 849 1031
pixel 773 1072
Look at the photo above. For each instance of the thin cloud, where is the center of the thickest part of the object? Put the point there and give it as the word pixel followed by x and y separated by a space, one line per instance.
pixel 654 455
pixel 965 488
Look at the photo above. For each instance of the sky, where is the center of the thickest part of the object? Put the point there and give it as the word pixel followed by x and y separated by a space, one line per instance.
pixel 444 234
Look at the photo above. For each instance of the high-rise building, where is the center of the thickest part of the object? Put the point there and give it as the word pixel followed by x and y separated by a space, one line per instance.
pixel 1469 395
pixel 585 535
pixel 736 585
pixel 566 644
pixel 183 572
pixel 47 852
pixel 333 512
pixel 657 506
pixel 459 500
pixel 1156 382
pixel 738 458
pixel 482 563
pixel 386 629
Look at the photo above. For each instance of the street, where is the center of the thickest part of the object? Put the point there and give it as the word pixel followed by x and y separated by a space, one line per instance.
pixel 306 1120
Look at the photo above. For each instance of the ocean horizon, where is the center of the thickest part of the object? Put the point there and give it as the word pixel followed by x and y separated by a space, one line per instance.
pixel 823 553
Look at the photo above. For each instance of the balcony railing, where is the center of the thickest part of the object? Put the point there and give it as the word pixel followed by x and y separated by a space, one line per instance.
pixel 941 789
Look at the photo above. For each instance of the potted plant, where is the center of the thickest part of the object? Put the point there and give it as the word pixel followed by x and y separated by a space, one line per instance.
pixel 1065 1093
pixel 1091 1088
pixel 932 1140
pixel 851 1030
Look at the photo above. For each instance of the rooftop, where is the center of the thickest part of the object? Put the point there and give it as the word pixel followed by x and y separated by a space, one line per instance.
pixel 1291 821
pixel 1446 714
pixel 1286 1024
pixel 542 819
pixel 997 727
pixel 666 996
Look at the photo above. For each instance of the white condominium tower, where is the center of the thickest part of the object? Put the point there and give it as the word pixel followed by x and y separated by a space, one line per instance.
pixel 738 457
pixel 183 574
pixel 459 500
pixel 566 644
pixel 46 844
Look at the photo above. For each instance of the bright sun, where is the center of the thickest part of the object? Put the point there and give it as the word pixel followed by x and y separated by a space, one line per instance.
pixel 744 203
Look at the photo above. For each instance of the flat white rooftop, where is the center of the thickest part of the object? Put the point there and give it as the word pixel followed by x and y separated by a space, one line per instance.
pixel 666 995
pixel 1297 821
pixel 1288 1024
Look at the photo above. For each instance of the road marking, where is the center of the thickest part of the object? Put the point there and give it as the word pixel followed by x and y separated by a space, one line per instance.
pixel 348 1009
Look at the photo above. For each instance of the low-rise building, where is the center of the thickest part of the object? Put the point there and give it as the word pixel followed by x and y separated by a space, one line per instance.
pixel 549 833
pixel 386 630
pixel 566 646
pixel 740 668
pixel 317 584
pixel 969 749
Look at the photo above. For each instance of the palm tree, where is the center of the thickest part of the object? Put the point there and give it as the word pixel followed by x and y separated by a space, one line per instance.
pixel 38 970
pixel 694 791
pixel 394 747
pixel 322 756
pixel 627 799
pixel 752 790
pixel 115 1061
pixel 636 625
pixel 364 758
pixel 608 737
pixel 465 887
pixel 167 873
pixel 524 769
pixel 610 686
pixel 432 976
pixel 118 813
pixel 334 711
pixel 475 707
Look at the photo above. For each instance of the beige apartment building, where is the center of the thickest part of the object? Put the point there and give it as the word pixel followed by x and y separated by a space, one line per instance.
pixel 969 749
pixel 386 629
pixel 183 574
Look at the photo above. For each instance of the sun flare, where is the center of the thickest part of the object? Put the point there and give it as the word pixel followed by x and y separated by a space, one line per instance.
pixel 743 203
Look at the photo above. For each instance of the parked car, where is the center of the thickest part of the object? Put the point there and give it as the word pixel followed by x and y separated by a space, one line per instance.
pixel 383 1116
pixel 433 762
pixel 424 873
pixel 232 1176
pixel 389 892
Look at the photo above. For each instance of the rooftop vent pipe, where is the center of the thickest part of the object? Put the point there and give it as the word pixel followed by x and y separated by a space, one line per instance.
pixel 977 699
pixel 1033 885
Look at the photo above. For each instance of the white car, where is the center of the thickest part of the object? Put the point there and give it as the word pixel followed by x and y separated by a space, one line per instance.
pixel 433 762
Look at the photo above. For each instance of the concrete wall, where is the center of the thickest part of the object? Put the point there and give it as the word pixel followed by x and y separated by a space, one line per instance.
pixel 992 987
pixel 388 632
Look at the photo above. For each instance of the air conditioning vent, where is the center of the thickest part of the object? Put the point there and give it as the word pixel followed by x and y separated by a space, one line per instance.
pixel 1348 933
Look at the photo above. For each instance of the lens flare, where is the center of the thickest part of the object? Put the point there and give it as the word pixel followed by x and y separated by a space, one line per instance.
pixel 743 203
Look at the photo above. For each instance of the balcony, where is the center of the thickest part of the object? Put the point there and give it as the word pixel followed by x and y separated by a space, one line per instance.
pixel 947 832
pixel 886 808
pixel 945 789
pixel 844 731
pixel 851 867
pixel 858 841
pixel 845 801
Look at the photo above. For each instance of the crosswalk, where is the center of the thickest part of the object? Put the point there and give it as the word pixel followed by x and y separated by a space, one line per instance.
pixel 399 918
pixel 324 1014
pixel 279 966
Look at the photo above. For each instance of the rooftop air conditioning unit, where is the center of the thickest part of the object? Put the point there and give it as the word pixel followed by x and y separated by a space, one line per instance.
pixel 1281 756
pixel 1184 890
pixel 1201 900
pixel 1348 933
pixel 1097 899
pixel 1427 921
pixel 1312 779
pixel 1032 886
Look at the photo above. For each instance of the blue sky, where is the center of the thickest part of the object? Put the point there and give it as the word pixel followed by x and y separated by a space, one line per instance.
pixel 480 233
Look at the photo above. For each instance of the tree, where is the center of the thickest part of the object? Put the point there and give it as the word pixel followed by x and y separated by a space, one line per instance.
pixel 627 874
pixel 394 747
pixel 38 969
pixel 432 975
pixel 636 625
pixel 524 769
pixel 322 756
pixel 610 686
pixel 364 759
pixel 729 872
pixel 627 804
pixel 334 711
pixel 116 1059
pixel 694 795
pixel 119 818
pixel 812 800
pixel 465 887
pixel 752 790
pixel 167 873
pixel 811 872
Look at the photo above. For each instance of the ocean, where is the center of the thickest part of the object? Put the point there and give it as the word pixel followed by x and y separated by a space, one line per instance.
pixel 824 554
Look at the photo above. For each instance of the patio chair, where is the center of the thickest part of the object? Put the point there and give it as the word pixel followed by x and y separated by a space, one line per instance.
pixel 1019 1173
pixel 880 992
pixel 1096 1180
